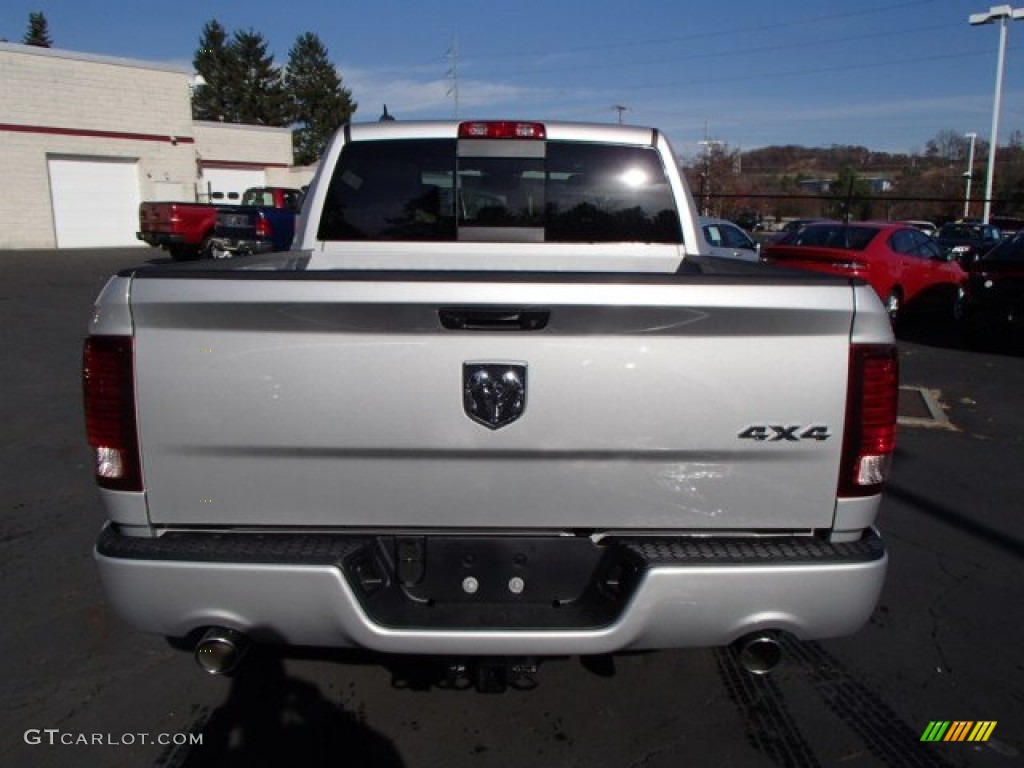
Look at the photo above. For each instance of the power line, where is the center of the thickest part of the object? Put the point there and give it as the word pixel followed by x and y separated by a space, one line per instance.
pixel 728 31
pixel 803 72
pixel 732 53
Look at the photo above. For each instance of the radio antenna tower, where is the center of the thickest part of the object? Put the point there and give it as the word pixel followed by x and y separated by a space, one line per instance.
pixel 453 73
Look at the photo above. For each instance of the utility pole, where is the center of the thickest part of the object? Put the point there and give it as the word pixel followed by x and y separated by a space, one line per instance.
pixel 453 73
pixel 621 110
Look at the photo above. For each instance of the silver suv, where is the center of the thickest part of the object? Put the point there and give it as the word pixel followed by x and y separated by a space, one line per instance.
pixel 728 241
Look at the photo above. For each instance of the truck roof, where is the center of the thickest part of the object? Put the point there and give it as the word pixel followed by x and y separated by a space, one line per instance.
pixel 449 129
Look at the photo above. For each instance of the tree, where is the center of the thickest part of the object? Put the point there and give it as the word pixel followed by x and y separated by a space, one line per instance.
pixel 215 98
pixel 240 82
pixel 852 194
pixel 261 98
pixel 948 145
pixel 318 102
pixel 38 31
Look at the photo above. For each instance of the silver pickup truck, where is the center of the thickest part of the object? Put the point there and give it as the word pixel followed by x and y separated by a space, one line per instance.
pixel 496 403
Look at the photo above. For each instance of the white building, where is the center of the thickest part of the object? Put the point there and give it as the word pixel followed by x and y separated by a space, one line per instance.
pixel 84 139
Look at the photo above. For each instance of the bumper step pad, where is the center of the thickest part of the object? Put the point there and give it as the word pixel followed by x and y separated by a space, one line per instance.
pixel 466 582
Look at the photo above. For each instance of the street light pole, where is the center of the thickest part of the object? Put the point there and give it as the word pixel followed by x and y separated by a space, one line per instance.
pixel 969 174
pixel 708 144
pixel 1002 14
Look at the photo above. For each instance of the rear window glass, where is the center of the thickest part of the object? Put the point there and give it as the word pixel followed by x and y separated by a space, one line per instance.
pixel 968 232
pixel 836 236
pixel 263 197
pixel 1009 251
pixel 499 191
pixel 291 198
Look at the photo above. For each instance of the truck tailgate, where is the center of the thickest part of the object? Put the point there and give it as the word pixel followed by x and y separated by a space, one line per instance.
pixel 652 404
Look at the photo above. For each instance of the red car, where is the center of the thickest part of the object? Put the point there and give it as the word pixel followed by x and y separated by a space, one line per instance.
pixel 905 266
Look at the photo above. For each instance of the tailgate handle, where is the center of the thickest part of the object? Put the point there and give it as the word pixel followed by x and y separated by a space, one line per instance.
pixel 493 318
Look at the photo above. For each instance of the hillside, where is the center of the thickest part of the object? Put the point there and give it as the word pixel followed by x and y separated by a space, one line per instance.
pixel 785 181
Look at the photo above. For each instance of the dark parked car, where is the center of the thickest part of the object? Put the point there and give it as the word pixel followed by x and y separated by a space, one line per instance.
pixel 1008 225
pixel 751 221
pixel 790 229
pixel 904 265
pixel 968 240
pixel 993 300
pixel 925 226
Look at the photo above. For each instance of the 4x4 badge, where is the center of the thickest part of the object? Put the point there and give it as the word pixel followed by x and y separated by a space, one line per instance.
pixel 494 394
pixel 790 433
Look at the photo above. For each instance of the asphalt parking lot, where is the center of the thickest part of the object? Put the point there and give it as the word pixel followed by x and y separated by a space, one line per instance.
pixel 80 688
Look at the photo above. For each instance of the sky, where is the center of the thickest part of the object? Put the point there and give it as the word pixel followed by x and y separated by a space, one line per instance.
pixel 885 74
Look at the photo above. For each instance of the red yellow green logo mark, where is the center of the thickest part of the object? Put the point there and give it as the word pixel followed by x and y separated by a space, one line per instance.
pixel 958 730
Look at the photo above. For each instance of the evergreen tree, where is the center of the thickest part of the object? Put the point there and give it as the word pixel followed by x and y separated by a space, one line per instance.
pixel 319 103
pixel 214 61
pixel 261 98
pixel 853 195
pixel 38 31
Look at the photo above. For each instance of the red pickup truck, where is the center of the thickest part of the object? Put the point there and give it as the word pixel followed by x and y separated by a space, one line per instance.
pixel 186 230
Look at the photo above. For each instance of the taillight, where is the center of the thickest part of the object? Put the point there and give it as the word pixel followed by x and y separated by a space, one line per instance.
pixel 109 389
pixel 501 129
pixel 871 411
pixel 263 227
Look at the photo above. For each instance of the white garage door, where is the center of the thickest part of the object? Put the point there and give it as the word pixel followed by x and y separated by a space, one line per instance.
pixel 95 201
pixel 228 180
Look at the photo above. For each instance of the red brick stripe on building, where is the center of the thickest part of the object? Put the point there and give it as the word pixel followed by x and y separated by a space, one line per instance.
pixel 167 138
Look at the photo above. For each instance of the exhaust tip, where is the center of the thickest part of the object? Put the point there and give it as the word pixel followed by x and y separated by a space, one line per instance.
pixel 759 653
pixel 220 650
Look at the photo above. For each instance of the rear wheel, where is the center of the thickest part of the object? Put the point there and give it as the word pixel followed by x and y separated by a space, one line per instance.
pixel 206 250
pixel 214 249
pixel 183 253
pixel 893 305
pixel 959 304
pixel 978 331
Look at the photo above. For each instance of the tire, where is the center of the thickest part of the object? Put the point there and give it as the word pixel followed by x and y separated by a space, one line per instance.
pixel 959 305
pixel 183 253
pixel 970 334
pixel 894 305
pixel 213 249
pixel 977 332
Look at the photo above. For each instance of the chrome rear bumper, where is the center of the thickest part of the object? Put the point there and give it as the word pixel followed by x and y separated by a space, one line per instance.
pixel 688 593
